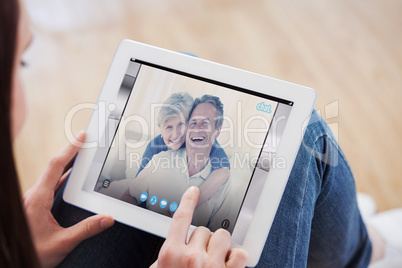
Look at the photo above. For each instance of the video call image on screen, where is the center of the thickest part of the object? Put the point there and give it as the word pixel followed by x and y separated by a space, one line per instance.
pixel 178 131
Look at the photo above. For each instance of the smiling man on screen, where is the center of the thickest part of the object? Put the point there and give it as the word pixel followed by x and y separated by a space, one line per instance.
pixel 167 176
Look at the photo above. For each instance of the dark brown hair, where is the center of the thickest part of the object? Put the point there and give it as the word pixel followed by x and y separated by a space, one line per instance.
pixel 16 246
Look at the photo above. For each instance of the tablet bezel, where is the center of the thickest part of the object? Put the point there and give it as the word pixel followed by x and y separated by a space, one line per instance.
pixel 257 232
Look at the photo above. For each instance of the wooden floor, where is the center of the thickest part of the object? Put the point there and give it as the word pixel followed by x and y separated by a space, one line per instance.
pixel 348 50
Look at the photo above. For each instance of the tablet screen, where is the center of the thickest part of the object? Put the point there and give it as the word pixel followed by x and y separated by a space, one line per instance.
pixel 168 130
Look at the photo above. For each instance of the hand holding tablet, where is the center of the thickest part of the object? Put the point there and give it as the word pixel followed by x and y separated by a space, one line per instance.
pixel 53 242
pixel 236 138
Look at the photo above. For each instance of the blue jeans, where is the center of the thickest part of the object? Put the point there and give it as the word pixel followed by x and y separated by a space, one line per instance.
pixel 318 223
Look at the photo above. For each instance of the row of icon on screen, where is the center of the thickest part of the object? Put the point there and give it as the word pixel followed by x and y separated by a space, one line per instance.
pixel 162 203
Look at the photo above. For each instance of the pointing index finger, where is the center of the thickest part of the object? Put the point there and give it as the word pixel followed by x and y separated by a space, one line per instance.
pixel 183 216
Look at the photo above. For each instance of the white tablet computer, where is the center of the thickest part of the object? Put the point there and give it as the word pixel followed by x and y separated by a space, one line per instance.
pixel 165 121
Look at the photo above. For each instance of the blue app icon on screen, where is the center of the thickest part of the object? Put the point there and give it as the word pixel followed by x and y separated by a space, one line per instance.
pixel 163 203
pixel 173 207
pixel 153 200
pixel 144 196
